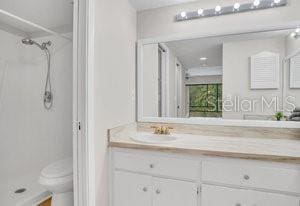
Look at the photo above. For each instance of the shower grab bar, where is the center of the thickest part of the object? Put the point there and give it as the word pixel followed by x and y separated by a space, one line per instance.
pixel 34 25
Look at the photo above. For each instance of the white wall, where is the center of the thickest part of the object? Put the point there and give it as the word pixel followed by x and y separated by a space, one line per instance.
pixel 205 71
pixel 115 38
pixel 32 137
pixel 160 22
pixel 292 46
pixel 236 74
pixel 150 80
pixel 213 79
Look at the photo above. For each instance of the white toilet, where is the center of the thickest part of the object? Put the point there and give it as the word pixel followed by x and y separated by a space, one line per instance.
pixel 58 179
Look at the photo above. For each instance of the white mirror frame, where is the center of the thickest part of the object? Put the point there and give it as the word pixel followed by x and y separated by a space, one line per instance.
pixel 202 120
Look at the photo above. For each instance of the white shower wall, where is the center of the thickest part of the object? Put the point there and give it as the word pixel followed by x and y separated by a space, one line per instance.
pixel 30 136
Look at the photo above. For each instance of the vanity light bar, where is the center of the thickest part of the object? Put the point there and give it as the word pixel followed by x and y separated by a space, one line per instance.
pixel 236 8
pixel 296 33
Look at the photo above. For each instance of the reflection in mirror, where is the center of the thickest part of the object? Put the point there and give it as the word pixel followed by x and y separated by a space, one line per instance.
pixel 253 76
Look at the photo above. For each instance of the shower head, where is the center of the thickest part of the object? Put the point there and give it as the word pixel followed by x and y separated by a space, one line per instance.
pixel 42 46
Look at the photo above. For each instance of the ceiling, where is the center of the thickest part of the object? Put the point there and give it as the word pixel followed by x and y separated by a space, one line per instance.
pixel 141 5
pixel 52 14
pixel 189 51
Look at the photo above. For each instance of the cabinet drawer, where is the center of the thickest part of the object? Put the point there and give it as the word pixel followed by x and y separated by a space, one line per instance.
pixel 216 196
pixel 257 176
pixel 157 165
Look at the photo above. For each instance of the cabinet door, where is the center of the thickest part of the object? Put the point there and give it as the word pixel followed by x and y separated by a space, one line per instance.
pixel 269 199
pixel 216 196
pixel 222 196
pixel 174 193
pixel 131 189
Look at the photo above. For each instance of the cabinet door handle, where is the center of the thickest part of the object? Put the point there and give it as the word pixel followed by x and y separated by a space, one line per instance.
pixel 158 191
pixel 151 166
pixel 145 189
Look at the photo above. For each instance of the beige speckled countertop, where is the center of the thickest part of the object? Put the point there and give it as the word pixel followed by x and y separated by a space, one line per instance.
pixel 284 149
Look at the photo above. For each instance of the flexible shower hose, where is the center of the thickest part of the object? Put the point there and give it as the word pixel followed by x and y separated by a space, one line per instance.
pixel 48 97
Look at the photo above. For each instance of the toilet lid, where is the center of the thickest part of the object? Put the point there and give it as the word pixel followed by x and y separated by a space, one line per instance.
pixel 61 168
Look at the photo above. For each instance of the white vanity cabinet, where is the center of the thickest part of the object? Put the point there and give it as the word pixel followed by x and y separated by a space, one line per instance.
pixel 131 189
pixel 151 180
pixel 141 178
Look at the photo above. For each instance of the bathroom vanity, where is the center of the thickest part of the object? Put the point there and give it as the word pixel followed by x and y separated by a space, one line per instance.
pixel 232 144
pixel 204 168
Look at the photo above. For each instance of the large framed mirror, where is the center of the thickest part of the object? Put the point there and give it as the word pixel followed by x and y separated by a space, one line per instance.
pixel 245 76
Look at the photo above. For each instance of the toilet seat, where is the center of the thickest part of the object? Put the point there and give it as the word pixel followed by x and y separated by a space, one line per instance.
pixel 60 169
pixel 58 179
pixel 58 176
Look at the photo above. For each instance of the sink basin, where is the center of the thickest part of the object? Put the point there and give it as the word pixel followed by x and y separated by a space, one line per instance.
pixel 153 138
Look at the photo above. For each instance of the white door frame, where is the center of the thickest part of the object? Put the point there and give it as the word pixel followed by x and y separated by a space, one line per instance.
pixel 178 84
pixel 165 81
pixel 83 67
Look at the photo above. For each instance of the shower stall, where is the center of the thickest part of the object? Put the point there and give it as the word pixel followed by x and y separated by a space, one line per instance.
pixel 36 95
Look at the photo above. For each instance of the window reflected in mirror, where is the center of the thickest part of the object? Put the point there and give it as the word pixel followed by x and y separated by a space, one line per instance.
pixel 205 100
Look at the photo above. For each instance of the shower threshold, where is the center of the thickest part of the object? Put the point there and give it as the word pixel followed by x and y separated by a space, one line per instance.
pixel 23 192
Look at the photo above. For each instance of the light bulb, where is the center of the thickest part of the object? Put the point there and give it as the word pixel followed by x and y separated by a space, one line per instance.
pixel 218 8
pixel 256 3
pixel 183 14
pixel 277 1
pixel 203 58
pixel 200 12
pixel 297 30
pixel 293 34
pixel 236 6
